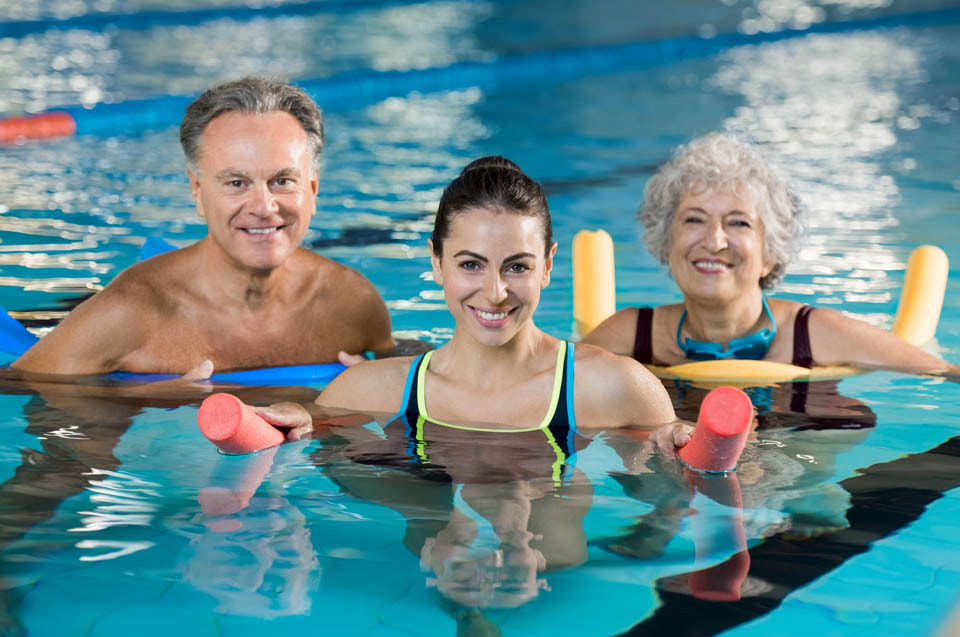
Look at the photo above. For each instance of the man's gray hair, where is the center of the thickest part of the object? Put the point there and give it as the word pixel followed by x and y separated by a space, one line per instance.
pixel 250 95
pixel 722 162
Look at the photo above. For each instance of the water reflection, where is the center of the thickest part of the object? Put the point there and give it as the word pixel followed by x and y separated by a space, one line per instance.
pixel 834 148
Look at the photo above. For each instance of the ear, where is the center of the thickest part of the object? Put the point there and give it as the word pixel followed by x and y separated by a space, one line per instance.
pixel 548 266
pixel 195 191
pixel 435 263
pixel 315 189
pixel 766 269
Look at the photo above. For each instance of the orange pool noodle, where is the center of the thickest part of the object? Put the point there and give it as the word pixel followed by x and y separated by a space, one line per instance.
pixel 721 433
pixel 55 124
pixel 234 427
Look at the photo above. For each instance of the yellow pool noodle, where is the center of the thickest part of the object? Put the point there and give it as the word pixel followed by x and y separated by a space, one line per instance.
pixel 594 281
pixel 921 298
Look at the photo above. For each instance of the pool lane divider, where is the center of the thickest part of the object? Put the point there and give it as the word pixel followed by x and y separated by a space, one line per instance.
pixel 142 20
pixel 366 86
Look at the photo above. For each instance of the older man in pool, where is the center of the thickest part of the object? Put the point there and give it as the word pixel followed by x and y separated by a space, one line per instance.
pixel 247 295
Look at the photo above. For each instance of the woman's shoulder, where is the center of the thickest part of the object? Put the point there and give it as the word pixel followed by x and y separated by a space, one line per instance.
pixel 369 385
pixel 605 371
pixel 618 332
pixel 612 390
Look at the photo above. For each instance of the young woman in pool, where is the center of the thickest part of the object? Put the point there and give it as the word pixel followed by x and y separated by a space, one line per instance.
pixel 492 251
pixel 726 223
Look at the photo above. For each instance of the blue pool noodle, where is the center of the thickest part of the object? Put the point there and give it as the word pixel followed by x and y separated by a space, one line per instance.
pixel 15 339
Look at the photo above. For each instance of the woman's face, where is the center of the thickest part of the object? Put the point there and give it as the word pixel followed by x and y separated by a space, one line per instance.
pixel 717 246
pixel 492 270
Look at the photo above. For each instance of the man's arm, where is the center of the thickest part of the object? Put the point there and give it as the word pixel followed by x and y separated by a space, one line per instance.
pixel 93 339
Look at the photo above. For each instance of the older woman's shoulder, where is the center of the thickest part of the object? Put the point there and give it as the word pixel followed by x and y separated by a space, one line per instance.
pixel 618 332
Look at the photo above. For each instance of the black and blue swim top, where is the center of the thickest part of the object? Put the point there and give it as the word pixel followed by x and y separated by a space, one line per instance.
pixel 558 424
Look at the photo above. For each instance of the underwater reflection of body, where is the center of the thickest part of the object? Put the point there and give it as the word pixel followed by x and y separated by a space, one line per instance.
pixel 253 553
pixel 76 434
pixel 488 513
pixel 784 479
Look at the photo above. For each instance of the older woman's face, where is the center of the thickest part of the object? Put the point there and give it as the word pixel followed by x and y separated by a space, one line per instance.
pixel 717 246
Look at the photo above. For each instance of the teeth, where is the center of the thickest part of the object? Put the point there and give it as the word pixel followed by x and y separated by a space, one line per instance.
pixel 489 316
pixel 261 230
pixel 710 265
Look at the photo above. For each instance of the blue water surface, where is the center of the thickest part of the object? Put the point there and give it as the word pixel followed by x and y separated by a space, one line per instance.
pixel 849 524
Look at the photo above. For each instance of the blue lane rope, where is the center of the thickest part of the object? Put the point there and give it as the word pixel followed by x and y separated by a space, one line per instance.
pixel 366 86
pixel 149 19
pixel 15 339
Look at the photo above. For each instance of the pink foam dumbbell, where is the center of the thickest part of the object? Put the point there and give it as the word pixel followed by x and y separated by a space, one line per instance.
pixel 715 447
pixel 234 426
pixel 721 433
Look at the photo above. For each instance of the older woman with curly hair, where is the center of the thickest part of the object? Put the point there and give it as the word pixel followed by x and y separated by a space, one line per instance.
pixel 726 223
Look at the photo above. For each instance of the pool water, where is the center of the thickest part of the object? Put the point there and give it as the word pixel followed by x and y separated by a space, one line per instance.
pixel 117 516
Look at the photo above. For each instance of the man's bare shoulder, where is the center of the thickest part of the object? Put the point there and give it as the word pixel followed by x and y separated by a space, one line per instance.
pixel 329 274
pixel 157 277
pixel 333 284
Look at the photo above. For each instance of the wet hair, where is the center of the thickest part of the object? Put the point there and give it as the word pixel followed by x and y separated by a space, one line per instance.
pixel 256 95
pixel 491 183
pixel 723 162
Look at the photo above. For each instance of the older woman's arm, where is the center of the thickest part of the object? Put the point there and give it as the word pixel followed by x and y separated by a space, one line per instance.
pixel 836 339
pixel 616 334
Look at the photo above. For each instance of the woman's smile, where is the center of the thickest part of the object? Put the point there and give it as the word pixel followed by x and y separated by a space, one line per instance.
pixel 492 271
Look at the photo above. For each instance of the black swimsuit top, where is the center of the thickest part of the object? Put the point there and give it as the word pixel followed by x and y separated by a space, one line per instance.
pixel 558 426
pixel 802 355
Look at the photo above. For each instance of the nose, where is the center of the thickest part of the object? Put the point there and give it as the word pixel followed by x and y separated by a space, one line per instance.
pixel 716 236
pixel 496 288
pixel 262 201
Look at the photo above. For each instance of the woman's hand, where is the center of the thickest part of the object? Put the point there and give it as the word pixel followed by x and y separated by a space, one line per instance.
pixel 668 439
pixel 293 417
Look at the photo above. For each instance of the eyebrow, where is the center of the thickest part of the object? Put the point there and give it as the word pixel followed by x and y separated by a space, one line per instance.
pixel 728 212
pixel 239 174
pixel 478 257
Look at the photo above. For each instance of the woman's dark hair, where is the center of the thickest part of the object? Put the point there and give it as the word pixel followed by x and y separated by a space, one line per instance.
pixel 491 183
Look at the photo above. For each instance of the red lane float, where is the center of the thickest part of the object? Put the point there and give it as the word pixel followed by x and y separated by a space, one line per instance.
pixel 721 433
pixel 41 126
pixel 234 426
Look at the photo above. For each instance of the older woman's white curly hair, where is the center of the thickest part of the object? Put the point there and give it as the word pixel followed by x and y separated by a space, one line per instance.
pixel 722 162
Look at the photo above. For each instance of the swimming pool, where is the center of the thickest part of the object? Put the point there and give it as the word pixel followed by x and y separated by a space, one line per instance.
pixel 111 515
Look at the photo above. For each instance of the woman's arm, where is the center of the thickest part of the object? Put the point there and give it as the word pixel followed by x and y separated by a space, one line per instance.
pixel 836 339
pixel 616 334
